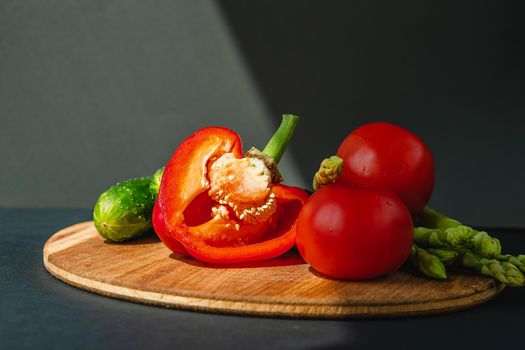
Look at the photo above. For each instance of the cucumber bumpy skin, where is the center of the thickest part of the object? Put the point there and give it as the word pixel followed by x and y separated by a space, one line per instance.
pixel 155 182
pixel 124 210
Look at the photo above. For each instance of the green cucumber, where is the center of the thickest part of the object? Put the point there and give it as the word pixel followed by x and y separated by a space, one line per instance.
pixel 155 182
pixel 124 210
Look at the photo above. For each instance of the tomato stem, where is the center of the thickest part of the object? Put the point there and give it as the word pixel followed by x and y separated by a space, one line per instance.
pixel 328 172
pixel 277 145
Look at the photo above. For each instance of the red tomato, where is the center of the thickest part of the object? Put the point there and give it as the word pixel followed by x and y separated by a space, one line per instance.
pixel 354 231
pixel 160 229
pixel 386 155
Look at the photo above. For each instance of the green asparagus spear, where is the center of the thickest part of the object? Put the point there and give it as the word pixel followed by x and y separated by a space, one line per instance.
pixel 458 237
pixel 446 256
pixel 518 261
pixel 502 271
pixel 432 219
pixel 428 264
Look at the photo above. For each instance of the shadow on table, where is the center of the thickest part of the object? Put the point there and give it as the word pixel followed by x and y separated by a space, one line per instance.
pixel 147 238
pixel 288 259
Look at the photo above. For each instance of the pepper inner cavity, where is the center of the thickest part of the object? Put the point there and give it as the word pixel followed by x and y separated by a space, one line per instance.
pixel 243 184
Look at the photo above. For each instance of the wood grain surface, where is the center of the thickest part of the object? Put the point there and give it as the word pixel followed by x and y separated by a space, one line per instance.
pixel 145 271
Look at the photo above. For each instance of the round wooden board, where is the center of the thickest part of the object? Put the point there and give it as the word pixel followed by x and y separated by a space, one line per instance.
pixel 145 271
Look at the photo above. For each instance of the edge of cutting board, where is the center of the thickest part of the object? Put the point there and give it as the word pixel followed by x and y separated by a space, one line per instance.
pixel 62 257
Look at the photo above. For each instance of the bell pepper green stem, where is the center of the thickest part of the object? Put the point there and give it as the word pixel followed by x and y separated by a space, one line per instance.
pixel 277 145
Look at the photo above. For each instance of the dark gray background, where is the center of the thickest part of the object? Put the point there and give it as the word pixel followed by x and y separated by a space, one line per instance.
pixel 92 92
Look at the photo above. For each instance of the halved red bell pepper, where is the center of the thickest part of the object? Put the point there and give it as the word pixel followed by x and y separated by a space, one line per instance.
pixel 223 207
pixel 160 229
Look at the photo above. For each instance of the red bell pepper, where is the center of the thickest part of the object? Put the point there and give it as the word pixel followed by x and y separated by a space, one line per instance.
pixel 160 229
pixel 226 208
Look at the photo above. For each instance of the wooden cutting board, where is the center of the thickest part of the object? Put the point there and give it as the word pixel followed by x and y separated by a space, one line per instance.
pixel 145 271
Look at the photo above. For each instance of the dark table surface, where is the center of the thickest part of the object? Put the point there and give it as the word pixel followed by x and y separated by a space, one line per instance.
pixel 38 311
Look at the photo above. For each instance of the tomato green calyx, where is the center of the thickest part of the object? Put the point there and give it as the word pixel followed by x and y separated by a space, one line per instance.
pixel 328 172
pixel 277 145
